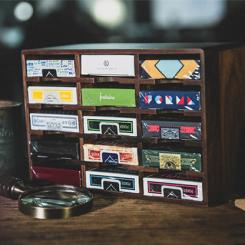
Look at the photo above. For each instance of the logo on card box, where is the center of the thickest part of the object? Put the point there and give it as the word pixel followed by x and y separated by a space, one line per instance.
pixel 111 186
pixel 153 128
pixel 126 157
pixel 180 100
pixel 159 99
pixel 172 193
pixel 109 157
pixel 147 99
pixel 169 100
pixel 109 129
pixel 187 130
pixel 49 73
pixel 190 101
pixel 170 133
pixel 106 63
pixel 94 155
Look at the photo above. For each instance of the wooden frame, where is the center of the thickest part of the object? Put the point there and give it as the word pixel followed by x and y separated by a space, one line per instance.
pixel 222 83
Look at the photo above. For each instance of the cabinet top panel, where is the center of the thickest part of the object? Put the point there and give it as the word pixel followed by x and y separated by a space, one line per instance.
pixel 134 47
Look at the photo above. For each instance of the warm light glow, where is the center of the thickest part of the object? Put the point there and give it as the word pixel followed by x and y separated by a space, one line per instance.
pixel 23 11
pixel 188 13
pixel 109 13
pixel 12 37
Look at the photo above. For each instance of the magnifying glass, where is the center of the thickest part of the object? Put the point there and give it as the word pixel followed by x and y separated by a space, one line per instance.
pixel 43 201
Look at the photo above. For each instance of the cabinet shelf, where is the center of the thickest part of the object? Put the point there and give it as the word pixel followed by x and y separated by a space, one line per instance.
pixel 52 79
pixel 144 169
pixel 170 81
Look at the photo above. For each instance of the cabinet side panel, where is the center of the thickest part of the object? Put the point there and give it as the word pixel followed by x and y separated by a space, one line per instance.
pixel 214 164
pixel 232 117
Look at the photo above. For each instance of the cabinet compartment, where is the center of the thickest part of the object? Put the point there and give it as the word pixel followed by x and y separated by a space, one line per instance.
pixel 124 126
pixel 113 180
pixel 54 122
pixel 173 188
pixel 172 160
pixel 55 148
pixel 110 154
pixel 52 95
pixel 170 100
pixel 50 66
pixel 57 175
pixel 108 97
pixel 108 65
pixel 185 67
pixel 171 130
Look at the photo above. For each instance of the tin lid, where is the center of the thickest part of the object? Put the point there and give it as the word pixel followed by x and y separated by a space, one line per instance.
pixel 8 104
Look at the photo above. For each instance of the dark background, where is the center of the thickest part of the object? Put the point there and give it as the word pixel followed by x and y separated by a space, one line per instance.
pixel 58 22
pixel 42 23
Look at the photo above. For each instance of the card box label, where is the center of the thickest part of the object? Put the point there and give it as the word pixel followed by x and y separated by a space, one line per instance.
pixel 171 130
pixel 108 97
pixel 173 160
pixel 50 68
pixel 110 125
pixel 173 188
pixel 170 69
pixel 170 100
pixel 108 65
pixel 57 175
pixel 112 181
pixel 110 154
pixel 52 95
pixel 54 122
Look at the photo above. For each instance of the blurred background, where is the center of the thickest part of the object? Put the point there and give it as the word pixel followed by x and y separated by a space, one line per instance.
pixel 42 23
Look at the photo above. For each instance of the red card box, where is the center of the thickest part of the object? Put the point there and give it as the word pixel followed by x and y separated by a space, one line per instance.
pixel 57 175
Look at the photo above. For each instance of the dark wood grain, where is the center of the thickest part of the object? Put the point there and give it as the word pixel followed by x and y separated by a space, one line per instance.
pixel 132 221
pixel 222 87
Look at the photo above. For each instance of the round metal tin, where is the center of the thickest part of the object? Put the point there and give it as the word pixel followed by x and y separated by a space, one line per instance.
pixel 55 202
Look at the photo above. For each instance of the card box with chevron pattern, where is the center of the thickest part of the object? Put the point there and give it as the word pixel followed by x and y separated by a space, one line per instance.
pixel 170 69
pixel 158 121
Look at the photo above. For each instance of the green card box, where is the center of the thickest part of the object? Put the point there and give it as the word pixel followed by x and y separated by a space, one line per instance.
pixel 172 160
pixel 108 97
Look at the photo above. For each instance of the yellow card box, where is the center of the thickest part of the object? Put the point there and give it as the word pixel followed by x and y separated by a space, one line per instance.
pixel 52 95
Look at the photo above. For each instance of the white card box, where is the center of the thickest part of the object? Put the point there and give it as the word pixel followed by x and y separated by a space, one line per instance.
pixel 108 65
pixel 54 122
pixel 62 68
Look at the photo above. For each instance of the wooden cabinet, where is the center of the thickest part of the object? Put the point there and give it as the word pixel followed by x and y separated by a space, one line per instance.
pixel 190 97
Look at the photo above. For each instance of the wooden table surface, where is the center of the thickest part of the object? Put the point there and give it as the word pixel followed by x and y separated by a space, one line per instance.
pixel 120 221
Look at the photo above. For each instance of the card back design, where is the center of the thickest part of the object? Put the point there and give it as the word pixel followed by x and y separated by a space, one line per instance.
pixel 170 100
pixel 110 125
pixel 118 97
pixel 170 161
pixel 173 188
pixel 112 181
pixel 170 69
pixel 52 95
pixel 54 122
pixel 170 133
pixel 171 130
pixel 50 68
pixel 108 65
pixel 110 154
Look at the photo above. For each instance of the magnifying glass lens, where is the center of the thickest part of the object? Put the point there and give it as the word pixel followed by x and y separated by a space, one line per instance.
pixel 55 202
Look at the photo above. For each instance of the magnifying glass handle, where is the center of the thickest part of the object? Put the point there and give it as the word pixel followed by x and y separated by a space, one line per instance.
pixel 11 187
